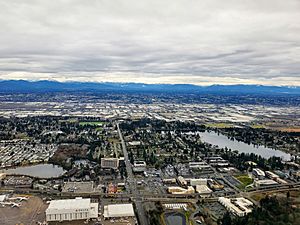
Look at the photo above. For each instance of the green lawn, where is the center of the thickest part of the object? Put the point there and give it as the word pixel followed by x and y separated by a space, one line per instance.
pixel 91 123
pixel 245 180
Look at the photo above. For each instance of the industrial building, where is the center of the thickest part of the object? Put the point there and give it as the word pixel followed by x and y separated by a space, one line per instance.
pixel 71 209
pixel 118 210
pixel 237 206
pixel 110 163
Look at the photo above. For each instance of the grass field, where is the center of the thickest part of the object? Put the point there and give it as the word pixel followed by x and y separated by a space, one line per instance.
pixel 91 123
pixel 258 126
pixel 245 180
pixel 219 125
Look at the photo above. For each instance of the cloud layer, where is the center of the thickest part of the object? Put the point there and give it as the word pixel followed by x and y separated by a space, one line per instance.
pixel 182 41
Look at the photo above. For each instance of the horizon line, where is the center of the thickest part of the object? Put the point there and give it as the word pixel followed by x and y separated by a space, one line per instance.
pixel 148 83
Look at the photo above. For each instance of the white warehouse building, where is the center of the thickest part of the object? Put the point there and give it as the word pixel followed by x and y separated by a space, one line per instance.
pixel 118 210
pixel 71 209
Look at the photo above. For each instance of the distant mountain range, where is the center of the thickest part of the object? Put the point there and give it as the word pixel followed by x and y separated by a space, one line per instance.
pixel 22 86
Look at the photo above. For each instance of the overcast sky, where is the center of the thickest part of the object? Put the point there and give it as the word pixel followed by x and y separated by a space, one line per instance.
pixel 155 41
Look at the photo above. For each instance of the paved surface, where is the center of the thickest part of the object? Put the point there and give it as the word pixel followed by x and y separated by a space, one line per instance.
pixel 132 184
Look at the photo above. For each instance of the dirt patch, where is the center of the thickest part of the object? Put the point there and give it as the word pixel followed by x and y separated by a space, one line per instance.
pixel 28 213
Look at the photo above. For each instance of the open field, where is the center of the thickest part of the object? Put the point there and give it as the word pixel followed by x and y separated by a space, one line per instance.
pixel 258 126
pixel 245 180
pixel 219 125
pixel 92 123
pixel 29 213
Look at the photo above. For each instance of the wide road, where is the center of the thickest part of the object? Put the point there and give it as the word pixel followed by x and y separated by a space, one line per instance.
pixel 132 184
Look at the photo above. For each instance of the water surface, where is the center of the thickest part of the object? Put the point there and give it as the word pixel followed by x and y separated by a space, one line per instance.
pixel 223 141
pixel 40 170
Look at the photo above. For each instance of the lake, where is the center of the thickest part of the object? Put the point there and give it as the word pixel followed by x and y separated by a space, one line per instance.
pixel 223 141
pixel 39 170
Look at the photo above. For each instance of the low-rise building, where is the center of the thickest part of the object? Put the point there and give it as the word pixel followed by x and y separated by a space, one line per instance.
pixel 271 175
pixel 237 206
pixel 3 198
pixel 110 163
pixel 265 182
pixel 169 181
pixel 214 185
pixel 258 173
pixel 2 176
pixel 280 181
pixel 181 191
pixel 118 210
pixel 181 181
pixel 71 209
pixel 203 190
pixel 139 167
pixel 199 181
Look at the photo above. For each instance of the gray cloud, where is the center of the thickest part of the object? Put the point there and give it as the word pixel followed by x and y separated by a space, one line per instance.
pixel 156 41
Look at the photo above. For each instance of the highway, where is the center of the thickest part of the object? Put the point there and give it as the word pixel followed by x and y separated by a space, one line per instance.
pixel 132 184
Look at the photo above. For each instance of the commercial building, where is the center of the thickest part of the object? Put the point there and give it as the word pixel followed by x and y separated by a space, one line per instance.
pixel 2 176
pixel 3 198
pixel 200 181
pixel 266 182
pixel 110 163
pixel 237 206
pixel 169 181
pixel 139 167
pixel 258 173
pixel 181 181
pixel 181 191
pixel 199 165
pixel 271 175
pixel 118 210
pixel 280 181
pixel 71 209
pixel 214 185
pixel 139 164
pixel 203 190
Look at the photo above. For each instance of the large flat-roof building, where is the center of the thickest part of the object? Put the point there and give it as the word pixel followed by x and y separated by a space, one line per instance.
pixel 258 173
pixel 110 163
pixel 199 181
pixel 118 210
pixel 203 190
pixel 265 182
pixel 71 209
pixel 237 206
